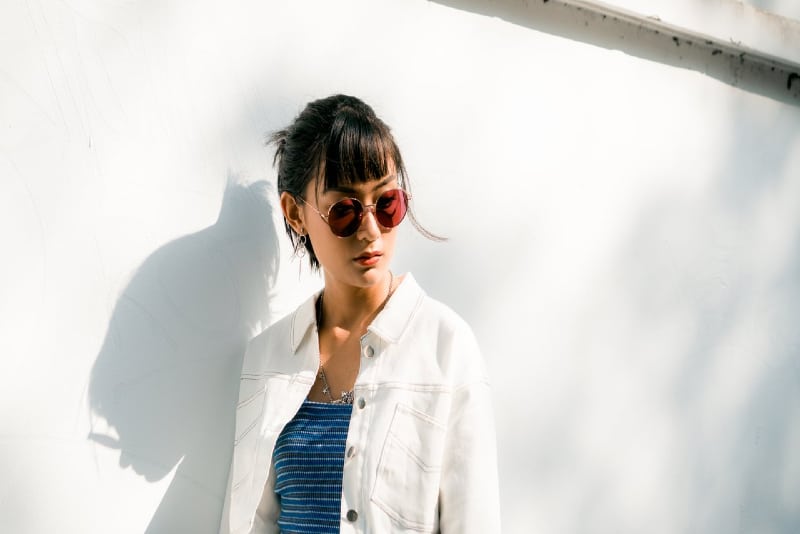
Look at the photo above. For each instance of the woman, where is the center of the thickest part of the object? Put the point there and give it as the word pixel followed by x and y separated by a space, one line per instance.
pixel 368 408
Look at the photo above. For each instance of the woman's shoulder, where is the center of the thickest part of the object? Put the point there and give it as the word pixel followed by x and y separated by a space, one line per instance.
pixel 283 336
pixel 446 317
pixel 297 320
pixel 434 327
pixel 432 312
pixel 274 330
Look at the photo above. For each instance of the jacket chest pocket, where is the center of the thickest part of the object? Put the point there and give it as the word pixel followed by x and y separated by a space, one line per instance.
pixel 407 483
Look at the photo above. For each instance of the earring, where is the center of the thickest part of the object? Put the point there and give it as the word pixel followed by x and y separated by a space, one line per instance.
pixel 300 250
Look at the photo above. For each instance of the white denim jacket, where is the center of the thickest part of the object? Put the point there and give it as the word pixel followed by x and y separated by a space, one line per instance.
pixel 420 453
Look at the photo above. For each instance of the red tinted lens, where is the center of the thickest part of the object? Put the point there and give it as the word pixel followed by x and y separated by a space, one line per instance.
pixel 345 216
pixel 391 208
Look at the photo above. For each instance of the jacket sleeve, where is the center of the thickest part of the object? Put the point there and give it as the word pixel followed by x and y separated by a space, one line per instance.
pixel 469 500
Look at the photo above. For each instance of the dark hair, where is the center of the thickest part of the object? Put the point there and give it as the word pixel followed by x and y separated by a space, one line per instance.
pixel 340 140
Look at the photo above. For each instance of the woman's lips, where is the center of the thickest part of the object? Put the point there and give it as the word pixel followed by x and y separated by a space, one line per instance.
pixel 369 259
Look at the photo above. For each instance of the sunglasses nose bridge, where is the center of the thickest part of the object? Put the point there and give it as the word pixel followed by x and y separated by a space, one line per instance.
pixel 369 208
pixel 362 218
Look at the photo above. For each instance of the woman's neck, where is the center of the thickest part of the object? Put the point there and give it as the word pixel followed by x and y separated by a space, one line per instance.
pixel 353 308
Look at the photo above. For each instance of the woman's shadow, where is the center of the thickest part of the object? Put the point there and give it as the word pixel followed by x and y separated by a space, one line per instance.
pixel 166 379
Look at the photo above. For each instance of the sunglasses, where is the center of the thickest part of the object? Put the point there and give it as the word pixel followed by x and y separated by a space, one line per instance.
pixel 344 216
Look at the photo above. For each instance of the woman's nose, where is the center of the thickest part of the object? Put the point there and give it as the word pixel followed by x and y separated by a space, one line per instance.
pixel 369 228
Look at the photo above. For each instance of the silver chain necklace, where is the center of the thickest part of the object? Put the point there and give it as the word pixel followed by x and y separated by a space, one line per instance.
pixel 347 396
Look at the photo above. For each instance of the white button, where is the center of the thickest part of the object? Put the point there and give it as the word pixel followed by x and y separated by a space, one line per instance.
pixel 361 402
pixel 369 351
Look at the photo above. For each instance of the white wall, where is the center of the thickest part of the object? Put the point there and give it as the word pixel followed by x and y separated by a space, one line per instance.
pixel 623 238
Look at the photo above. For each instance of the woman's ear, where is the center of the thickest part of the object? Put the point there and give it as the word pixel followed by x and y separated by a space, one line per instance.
pixel 292 212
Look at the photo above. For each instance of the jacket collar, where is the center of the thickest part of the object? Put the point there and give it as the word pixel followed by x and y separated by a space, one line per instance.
pixel 390 324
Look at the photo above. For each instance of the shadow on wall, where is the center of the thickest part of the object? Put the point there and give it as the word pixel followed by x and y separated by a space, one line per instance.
pixel 166 379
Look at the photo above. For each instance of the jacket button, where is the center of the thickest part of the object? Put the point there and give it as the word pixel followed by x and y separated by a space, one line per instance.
pixel 361 402
pixel 369 351
pixel 352 515
pixel 351 452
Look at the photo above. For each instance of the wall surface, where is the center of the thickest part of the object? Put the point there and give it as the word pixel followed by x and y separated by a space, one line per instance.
pixel 784 8
pixel 624 239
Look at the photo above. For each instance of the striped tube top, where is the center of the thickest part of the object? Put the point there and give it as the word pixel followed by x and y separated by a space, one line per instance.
pixel 308 460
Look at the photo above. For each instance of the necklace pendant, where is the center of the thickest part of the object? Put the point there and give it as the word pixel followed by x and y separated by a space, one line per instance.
pixel 347 397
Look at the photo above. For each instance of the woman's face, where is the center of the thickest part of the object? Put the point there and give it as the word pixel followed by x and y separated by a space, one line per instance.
pixel 363 258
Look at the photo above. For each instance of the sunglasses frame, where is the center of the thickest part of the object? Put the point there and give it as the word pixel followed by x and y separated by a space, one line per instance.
pixel 364 209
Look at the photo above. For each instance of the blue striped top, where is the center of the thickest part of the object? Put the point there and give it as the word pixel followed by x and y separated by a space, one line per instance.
pixel 308 460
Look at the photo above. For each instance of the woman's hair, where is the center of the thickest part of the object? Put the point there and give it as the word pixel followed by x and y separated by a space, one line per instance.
pixel 340 141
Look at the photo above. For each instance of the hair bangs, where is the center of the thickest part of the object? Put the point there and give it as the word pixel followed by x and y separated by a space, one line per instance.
pixel 359 150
